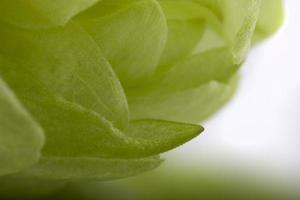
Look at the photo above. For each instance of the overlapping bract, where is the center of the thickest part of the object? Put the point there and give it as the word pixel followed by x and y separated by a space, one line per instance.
pixel 112 84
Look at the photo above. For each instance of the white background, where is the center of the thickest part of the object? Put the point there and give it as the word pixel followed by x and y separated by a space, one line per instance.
pixel 260 127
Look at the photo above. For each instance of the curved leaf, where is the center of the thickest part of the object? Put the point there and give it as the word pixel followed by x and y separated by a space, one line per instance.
pixel 134 54
pixel 190 106
pixel 21 138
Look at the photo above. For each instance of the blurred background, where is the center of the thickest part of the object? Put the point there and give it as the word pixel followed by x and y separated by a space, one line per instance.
pixel 250 149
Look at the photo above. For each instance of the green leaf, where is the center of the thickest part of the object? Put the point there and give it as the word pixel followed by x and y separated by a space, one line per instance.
pixel 190 106
pixel 132 38
pixel 199 69
pixel 159 136
pixel 21 138
pixel 37 14
pixel 89 168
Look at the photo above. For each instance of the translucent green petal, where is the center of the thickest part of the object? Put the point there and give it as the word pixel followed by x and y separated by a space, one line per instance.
pixel 190 106
pixel 21 138
pixel 239 20
pixel 69 64
pixel 199 69
pixel 191 90
pixel 187 21
pixel 36 14
pixel 239 24
pixel 183 37
pixel 187 10
pixel 210 40
pixel 132 39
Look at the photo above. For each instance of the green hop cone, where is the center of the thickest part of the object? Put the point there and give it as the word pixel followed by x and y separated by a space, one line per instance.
pixel 99 88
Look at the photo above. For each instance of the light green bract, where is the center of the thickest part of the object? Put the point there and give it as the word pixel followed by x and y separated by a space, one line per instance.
pixel 111 84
